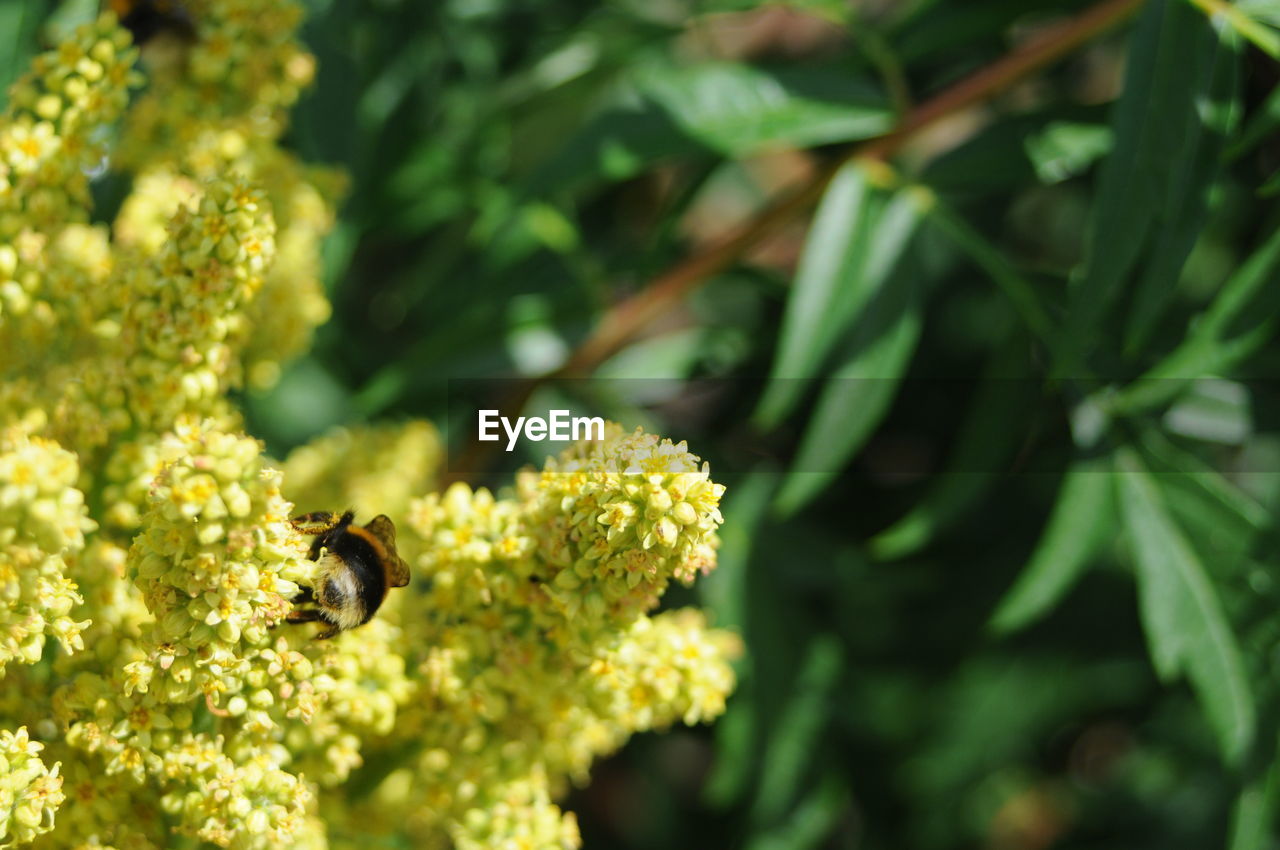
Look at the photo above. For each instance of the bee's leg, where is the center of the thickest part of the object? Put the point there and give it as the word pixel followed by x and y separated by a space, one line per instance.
pixel 304 596
pixel 317 522
pixel 328 633
pixel 304 615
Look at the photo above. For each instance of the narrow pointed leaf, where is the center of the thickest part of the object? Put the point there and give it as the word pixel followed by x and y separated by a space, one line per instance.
pixel 1208 121
pixel 1248 516
pixel 857 395
pixel 739 109
pixel 828 273
pixel 794 741
pixel 1241 319
pixel 810 821
pixel 1259 127
pixel 724 590
pixel 1150 153
pixel 1083 520
pixel 1253 816
pixel 1182 614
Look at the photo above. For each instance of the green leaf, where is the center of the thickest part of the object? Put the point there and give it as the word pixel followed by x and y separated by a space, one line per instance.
pixel 1020 292
pixel 857 395
pixel 835 11
pixel 1271 186
pixel 1232 509
pixel 1252 19
pixel 853 246
pixel 729 109
pixel 829 272
pixel 1083 520
pixel 1259 127
pixel 811 820
pixel 1225 525
pixel 1262 11
pixel 1211 120
pixel 1214 410
pixel 1240 320
pixel 724 590
pixel 794 740
pixel 615 145
pixel 1186 627
pixel 1253 816
pixel 1151 166
pixel 19 22
pixel 1065 149
pixel 740 110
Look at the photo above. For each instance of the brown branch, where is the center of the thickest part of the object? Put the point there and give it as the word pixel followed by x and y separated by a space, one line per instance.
pixel 628 317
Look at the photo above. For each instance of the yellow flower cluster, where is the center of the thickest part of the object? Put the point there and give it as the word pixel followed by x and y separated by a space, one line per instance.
pixel 380 468
pixel 30 793
pixel 522 679
pixel 52 138
pixel 42 525
pixel 141 528
pixel 616 520
pixel 211 564
pixel 220 108
pixel 244 70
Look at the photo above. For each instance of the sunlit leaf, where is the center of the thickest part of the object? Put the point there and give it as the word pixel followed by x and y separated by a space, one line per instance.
pixel 1240 320
pixel 1182 614
pixel 853 247
pixel 857 394
pixel 829 273
pixel 740 109
pixel 1065 149
pixel 1214 410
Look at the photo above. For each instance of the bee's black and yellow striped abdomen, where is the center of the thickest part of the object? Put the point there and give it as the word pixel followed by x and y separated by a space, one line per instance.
pixel 357 566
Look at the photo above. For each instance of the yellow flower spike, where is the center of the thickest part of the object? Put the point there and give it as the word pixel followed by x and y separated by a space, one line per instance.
pixel 378 468
pixel 579 667
pixel 525 651
pixel 30 792
pixel 44 521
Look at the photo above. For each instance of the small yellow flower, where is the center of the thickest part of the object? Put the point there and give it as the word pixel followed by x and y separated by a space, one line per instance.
pixel 177 700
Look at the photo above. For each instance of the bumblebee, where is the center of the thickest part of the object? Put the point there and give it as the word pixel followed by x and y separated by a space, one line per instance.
pixel 147 19
pixel 358 565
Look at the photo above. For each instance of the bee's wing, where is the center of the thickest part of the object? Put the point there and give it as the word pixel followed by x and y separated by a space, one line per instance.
pixel 397 570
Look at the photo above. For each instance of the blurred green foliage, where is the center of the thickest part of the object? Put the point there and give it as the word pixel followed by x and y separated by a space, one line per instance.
pixel 1036 609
